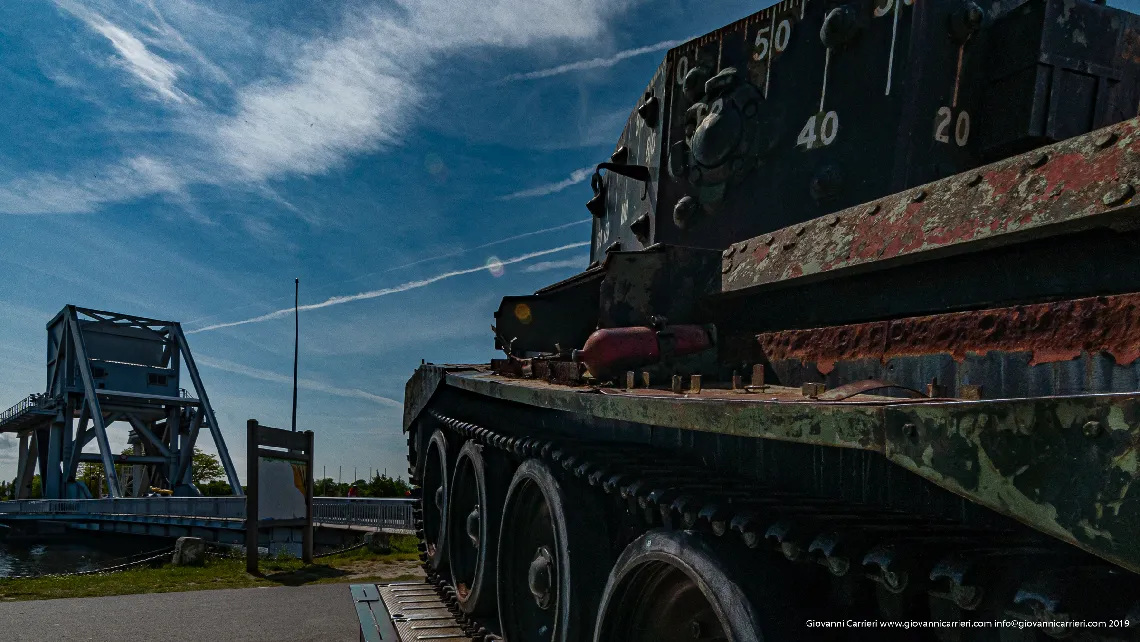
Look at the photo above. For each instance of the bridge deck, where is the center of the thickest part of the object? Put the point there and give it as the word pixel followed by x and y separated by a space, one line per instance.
pixel 217 518
pixel 30 412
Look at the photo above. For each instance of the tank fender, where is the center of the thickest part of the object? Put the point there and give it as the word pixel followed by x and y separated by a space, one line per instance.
pixel 420 388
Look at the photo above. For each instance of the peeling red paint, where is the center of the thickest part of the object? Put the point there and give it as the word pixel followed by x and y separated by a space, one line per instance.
pixel 1047 355
pixel 1051 332
pixel 1032 193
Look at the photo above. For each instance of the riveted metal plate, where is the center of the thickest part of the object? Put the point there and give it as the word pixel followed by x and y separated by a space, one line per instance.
pixel 403 612
pixel 1079 185
pixel 418 614
pixel 1065 465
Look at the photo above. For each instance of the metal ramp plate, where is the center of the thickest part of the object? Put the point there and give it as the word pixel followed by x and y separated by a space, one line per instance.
pixel 403 612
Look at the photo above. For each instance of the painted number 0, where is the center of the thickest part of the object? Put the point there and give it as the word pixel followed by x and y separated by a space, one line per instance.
pixel 884 9
pixel 819 132
pixel 783 36
pixel 682 69
pixel 961 127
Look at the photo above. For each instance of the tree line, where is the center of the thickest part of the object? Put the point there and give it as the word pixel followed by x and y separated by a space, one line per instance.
pixel 381 485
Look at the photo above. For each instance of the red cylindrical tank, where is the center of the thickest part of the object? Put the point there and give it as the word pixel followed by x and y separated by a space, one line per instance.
pixel 611 350
pixel 688 339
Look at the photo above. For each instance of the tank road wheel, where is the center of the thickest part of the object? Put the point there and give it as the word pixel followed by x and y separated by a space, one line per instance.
pixel 553 558
pixel 475 506
pixel 670 586
pixel 433 498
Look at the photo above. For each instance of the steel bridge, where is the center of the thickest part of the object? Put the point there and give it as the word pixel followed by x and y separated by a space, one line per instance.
pixel 217 519
pixel 105 368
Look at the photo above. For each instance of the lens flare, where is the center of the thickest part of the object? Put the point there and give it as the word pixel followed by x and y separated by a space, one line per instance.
pixel 435 166
pixel 495 266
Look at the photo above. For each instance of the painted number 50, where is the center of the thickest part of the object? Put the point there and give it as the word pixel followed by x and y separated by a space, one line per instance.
pixel 780 42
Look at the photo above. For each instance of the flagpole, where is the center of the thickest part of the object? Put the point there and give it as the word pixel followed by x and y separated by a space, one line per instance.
pixel 296 343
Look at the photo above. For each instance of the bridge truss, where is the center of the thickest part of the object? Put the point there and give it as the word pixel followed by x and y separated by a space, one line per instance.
pixel 105 368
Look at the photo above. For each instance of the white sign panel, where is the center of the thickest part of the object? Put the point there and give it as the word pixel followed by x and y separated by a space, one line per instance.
pixel 281 489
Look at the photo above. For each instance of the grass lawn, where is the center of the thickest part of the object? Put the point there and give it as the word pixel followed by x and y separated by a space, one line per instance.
pixel 360 565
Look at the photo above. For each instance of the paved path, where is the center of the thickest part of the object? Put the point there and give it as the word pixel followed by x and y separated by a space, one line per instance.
pixel 321 612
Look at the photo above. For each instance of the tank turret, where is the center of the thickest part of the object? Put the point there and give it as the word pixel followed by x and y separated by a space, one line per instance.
pixel 806 108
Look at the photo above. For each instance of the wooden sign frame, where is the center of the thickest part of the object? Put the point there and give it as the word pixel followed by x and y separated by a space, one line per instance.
pixel 275 443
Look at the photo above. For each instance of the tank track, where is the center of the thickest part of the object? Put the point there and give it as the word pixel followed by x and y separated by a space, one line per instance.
pixel 906 560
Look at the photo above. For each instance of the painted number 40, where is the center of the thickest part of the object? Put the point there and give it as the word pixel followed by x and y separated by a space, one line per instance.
pixel 819 131
pixel 961 126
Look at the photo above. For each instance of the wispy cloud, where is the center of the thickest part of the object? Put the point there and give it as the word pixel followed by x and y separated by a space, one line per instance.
pixel 543 266
pixel 577 176
pixel 307 384
pixel 91 187
pixel 594 63
pixel 372 294
pixel 175 38
pixel 346 97
pixel 353 90
pixel 357 93
pixel 152 70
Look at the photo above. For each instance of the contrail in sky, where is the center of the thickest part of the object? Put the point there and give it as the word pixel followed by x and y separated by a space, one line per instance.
pixel 543 266
pixel 577 176
pixel 498 242
pixel 594 63
pixel 372 294
pixel 434 257
pixel 307 384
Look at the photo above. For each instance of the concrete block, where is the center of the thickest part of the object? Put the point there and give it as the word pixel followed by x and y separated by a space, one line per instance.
pixel 378 542
pixel 189 551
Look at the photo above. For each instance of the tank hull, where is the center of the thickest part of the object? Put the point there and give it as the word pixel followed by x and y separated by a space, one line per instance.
pixel 935 287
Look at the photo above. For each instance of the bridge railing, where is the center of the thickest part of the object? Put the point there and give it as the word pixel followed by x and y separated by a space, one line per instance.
pixel 219 507
pixel 36 506
pixel 31 402
pixel 376 512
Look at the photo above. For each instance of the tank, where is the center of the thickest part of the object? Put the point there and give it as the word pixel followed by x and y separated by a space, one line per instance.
pixel 857 349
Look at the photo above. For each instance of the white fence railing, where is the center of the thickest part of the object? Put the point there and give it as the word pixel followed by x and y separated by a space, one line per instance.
pixel 375 512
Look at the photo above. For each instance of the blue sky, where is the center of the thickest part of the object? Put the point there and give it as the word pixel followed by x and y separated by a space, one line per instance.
pixel 186 160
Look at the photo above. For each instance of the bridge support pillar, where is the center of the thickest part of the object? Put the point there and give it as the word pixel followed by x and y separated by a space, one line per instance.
pixel 139 487
pixel 76 490
pixel 41 455
pixel 51 477
pixel 26 467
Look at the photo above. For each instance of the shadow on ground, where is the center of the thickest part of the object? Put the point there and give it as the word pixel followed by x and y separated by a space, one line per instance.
pixel 305 575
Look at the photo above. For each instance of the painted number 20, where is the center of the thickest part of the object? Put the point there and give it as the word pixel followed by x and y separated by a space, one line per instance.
pixel 820 130
pixel 961 126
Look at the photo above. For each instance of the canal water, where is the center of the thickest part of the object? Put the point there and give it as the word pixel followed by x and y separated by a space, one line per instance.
pixel 68 554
